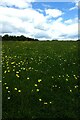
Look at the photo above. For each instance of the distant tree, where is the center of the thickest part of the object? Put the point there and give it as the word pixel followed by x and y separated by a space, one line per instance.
pixel 9 38
pixel 54 40
pixel 17 38
pixel 0 37
pixel 30 39
pixel 22 38
pixel 47 40
pixel 36 40
pixel 78 40
pixel 5 38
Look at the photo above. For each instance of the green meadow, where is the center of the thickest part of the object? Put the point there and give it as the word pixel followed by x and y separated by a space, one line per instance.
pixel 40 80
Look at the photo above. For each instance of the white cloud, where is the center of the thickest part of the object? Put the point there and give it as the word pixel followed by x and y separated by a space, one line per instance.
pixel 61 29
pixel 41 11
pixel 53 12
pixel 68 21
pixel 33 23
pixel 42 35
pixel 73 8
pixel 71 21
pixel 72 29
pixel 16 3
pixel 77 4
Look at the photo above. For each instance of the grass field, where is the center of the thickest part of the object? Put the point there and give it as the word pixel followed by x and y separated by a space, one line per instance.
pixel 40 80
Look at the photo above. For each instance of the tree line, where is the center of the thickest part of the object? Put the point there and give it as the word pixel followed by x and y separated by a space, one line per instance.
pixel 17 38
pixel 22 38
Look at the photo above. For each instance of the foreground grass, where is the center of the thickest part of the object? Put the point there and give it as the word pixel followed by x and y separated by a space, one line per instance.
pixel 40 80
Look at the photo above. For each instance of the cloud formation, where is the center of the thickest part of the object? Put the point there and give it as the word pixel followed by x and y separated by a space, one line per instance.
pixel 16 3
pixel 20 18
pixel 53 12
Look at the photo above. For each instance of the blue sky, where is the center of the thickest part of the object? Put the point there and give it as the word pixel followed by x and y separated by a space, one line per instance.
pixel 41 20
pixel 59 5
pixel 64 6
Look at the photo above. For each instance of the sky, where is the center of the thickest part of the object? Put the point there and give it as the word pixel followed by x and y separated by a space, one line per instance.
pixel 40 20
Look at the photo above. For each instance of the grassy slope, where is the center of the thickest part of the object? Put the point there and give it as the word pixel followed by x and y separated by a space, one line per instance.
pixel 56 64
